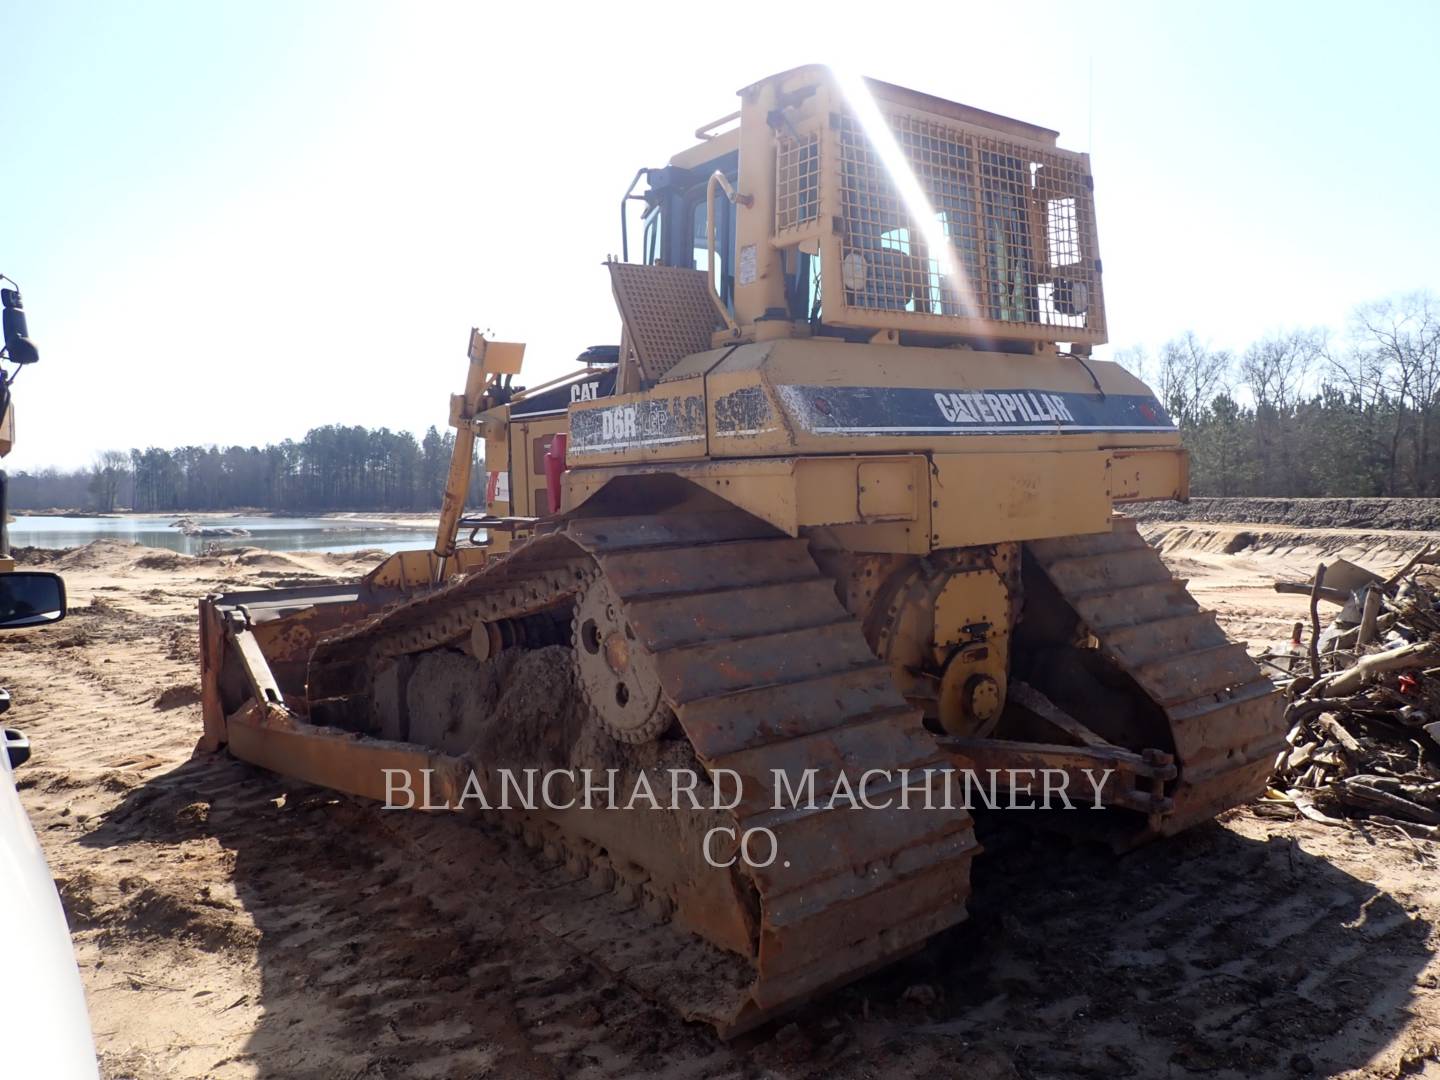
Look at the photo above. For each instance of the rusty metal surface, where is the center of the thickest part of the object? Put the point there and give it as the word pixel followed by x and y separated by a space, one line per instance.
pixel 284 626
pixel 341 760
pixel 766 670
pixel 1226 719
pixel 263 686
pixel 795 690
pixel 540 573
pixel 1136 781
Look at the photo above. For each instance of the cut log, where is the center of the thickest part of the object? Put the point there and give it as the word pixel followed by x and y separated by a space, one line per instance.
pixel 1343 683
pixel 1304 588
pixel 1330 724
pixel 1365 797
pixel 1368 617
pixel 1427 557
pixel 1315 621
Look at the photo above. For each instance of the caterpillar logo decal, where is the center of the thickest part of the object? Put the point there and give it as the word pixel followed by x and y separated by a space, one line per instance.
pixel 878 410
pixel 556 400
pixel 1003 408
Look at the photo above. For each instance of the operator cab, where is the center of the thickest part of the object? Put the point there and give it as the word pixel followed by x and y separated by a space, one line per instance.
pixel 679 202
pixel 936 223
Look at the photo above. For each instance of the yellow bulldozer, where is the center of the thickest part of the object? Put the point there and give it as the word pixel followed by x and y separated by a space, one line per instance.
pixel 840 510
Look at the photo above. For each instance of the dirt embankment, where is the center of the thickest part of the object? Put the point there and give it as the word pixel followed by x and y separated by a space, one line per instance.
pixel 1366 514
pixel 230 924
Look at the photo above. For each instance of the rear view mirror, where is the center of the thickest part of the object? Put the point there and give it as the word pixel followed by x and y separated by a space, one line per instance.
pixel 18 346
pixel 17 747
pixel 31 598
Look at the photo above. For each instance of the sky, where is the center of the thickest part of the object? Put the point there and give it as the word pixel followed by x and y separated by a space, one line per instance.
pixel 236 221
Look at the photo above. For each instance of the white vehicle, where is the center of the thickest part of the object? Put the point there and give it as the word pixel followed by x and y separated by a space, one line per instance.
pixel 41 997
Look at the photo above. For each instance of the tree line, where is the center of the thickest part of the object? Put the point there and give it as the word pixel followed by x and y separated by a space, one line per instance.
pixel 1303 413
pixel 332 468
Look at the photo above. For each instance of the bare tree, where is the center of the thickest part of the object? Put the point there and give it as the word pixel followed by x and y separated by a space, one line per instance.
pixel 1276 367
pixel 1134 359
pixel 1276 370
pixel 106 476
pixel 1190 375
pixel 1393 366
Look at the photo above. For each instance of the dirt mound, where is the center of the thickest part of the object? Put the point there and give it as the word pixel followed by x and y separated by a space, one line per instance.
pixel 1409 514
pixel 104 555
pixel 450 695
pixel 77 897
pixel 174 697
pixel 369 556
pixel 162 560
pixel 200 920
pixel 1175 540
pixel 259 558
pixel 38 556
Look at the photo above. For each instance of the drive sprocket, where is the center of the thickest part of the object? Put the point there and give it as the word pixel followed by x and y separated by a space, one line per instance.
pixel 617 674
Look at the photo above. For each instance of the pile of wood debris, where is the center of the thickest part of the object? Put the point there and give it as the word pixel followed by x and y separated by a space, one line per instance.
pixel 1364 699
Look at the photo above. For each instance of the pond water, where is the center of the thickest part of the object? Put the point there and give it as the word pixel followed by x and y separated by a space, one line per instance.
pixel 272 533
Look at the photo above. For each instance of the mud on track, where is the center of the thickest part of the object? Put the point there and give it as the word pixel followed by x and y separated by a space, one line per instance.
pixel 232 924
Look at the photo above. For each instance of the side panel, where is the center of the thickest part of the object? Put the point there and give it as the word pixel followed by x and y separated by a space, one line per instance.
pixel 746 419
pixel 823 396
pixel 528 486
pixel 1137 475
pixel 987 498
pixel 667 423
pixel 869 503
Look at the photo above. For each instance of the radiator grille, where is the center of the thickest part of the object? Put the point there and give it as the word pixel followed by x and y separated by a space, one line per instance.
pixel 1018 220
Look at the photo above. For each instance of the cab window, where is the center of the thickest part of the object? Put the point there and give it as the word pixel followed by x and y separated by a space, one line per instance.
pixel 653 243
pixel 724 245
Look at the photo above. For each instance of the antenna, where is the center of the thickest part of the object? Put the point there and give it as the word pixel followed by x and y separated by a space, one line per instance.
pixel 1090 109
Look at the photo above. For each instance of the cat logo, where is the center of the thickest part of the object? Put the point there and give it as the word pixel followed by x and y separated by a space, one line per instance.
pixel 1012 408
pixel 585 391
pixel 618 425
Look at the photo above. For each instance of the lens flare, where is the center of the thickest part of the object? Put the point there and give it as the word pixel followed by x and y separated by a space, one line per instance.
pixel 923 217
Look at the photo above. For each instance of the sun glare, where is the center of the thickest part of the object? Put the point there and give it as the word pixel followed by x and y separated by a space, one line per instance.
pixel 917 204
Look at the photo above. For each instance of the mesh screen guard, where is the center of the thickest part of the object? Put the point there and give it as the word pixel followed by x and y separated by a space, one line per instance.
pixel 1018 219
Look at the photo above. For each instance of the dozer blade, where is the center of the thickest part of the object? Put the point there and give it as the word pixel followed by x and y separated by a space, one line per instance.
pixel 285 624
pixel 1224 719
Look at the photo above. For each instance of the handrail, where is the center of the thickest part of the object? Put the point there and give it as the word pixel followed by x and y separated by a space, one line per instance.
pixel 717 178
pixel 706 132
pixel 624 224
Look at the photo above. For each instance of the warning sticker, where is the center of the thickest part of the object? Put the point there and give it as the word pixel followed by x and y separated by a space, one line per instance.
pixel 747 264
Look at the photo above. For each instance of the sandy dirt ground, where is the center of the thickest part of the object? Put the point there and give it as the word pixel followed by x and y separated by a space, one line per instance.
pixel 233 924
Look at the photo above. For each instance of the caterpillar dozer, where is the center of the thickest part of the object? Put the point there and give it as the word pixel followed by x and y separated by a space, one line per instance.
pixel 842 504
